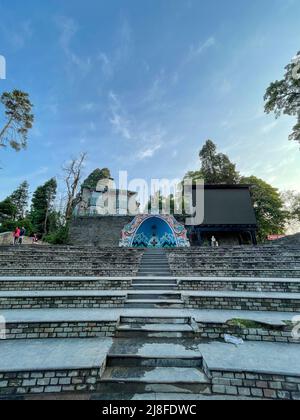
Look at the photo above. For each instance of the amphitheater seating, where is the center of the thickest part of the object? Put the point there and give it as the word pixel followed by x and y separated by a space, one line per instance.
pixel 261 261
pixel 68 261
pixel 78 318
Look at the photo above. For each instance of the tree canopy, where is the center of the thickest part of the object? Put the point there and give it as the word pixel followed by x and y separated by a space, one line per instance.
pixel 19 119
pixel 283 96
pixel 216 168
pixel 96 176
pixel 42 207
pixel 20 200
pixel 7 210
pixel 269 207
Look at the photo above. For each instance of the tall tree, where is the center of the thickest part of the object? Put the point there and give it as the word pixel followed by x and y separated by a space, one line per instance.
pixel 7 210
pixel 216 168
pixel 20 199
pixel 96 176
pixel 42 206
pixel 19 119
pixel 292 204
pixel 72 177
pixel 283 96
pixel 269 208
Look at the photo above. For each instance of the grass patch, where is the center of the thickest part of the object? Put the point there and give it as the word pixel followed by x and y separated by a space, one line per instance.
pixel 245 323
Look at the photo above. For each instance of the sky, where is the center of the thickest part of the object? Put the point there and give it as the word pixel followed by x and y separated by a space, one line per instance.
pixel 140 85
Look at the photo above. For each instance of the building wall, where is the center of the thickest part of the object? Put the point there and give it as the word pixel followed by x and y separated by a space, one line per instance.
pixel 98 231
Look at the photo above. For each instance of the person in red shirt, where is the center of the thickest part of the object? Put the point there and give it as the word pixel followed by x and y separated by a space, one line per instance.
pixel 17 233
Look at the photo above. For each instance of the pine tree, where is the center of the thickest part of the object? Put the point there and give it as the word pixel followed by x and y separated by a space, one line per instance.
pixel 216 167
pixel 42 206
pixel 20 200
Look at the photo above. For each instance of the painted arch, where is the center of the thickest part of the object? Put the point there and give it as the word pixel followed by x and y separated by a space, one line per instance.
pixel 148 231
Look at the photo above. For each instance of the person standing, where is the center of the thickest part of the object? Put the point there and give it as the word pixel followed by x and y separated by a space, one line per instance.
pixel 213 242
pixel 22 235
pixel 17 233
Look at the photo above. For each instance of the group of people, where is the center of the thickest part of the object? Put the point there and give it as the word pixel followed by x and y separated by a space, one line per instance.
pixel 214 242
pixel 19 235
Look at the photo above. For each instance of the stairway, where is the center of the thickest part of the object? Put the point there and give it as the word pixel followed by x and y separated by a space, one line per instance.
pixel 142 374
pixel 155 327
pixel 154 287
pixel 154 263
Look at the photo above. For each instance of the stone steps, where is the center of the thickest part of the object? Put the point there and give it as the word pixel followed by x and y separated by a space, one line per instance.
pixel 154 374
pixel 158 286
pixel 150 327
pixel 254 273
pixel 155 331
pixel 155 303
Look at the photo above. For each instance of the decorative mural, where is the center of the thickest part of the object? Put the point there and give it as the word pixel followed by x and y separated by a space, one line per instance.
pixel 148 231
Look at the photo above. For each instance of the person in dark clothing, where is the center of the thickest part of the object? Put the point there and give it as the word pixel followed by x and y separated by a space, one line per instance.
pixel 22 235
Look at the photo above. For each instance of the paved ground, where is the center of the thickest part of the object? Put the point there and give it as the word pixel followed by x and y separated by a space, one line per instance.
pixel 222 316
pixel 273 358
pixel 189 278
pixel 96 293
pixel 27 355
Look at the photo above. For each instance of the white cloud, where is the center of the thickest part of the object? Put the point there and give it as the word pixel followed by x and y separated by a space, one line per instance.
pixel 118 120
pixel 20 35
pixel 146 140
pixel 149 152
pixel 269 127
pixel 107 65
pixel 196 51
pixel 68 30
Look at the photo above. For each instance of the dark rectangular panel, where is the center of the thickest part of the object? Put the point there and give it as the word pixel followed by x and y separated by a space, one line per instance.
pixel 228 206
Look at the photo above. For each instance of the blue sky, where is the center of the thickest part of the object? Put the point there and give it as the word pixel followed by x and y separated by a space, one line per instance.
pixel 141 84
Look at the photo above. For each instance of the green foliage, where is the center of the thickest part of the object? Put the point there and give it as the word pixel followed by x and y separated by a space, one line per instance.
pixel 7 210
pixel 59 237
pixel 19 119
pixel 283 96
pixel 19 198
pixel 96 176
pixel 10 226
pixel 269 208
pixel 216 168
pixel 42 207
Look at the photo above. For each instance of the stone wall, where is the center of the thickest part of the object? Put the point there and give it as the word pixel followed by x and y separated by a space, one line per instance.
pixel 277 387
pixel 54 284
pixel 62 302
pixel 240 285
pixel 68 329
pixel 239 303
pixel 98 231
pixel 266 333
pixel 54 381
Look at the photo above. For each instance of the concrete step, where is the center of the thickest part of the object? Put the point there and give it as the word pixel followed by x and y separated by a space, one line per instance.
pixel 155 296
pixel 158 304
pixel 155 331
pixel 154 286
pixel 154 281
pixel 140 320
pixel 159 379
pixel 154 272
pixel 115 360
